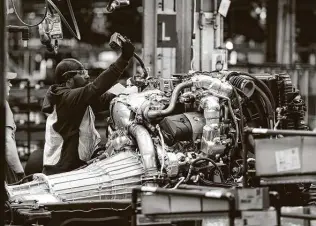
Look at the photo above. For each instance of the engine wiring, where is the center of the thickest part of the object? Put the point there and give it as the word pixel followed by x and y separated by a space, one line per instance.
pixel 241 120
pixel 163 148
pixel 205 159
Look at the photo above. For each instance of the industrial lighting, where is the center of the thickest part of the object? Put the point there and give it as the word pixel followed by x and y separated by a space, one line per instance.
pixel 229 45
pixel 233 58
pixel 263 15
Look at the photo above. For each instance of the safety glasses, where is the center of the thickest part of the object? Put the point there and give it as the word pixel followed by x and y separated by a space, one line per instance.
pixel 70 74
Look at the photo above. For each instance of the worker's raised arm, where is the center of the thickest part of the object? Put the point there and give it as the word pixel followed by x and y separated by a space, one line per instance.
pixel 104 81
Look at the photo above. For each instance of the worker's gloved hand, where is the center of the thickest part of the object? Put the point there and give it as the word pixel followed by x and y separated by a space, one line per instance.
pixel 127 49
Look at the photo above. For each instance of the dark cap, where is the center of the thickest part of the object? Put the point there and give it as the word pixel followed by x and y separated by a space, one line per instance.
pixel 65 65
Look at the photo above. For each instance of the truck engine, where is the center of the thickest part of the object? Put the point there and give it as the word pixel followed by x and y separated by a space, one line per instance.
pixel 186 129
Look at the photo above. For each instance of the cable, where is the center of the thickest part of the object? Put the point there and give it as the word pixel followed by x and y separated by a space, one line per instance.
pixel 206 159
pixel 241 118
pixel 214 164
pixel 30 25
pixel 90 219
pixel 268 104
pixel 163 149
pixel 241 111
pixel 241 92
pixel 77 34
pixel 141 64
pixel 91 210
pixel 20 181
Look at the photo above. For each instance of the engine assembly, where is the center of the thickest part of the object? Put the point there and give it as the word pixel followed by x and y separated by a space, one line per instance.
pixel 183 130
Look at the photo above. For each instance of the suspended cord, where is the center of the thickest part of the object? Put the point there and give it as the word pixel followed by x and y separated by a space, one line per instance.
pixel 77 34
pixel 30 25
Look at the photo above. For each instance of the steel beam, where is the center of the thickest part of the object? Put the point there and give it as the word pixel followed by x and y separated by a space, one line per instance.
pixel 150 35
pixel 184 35
pixel 286 31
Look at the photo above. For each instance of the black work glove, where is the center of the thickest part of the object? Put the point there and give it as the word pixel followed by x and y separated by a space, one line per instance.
pixel 127 49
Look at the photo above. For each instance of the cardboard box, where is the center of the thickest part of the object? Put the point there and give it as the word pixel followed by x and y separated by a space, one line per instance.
pixel 313 211
pixel 252 198
pixel 291 221
pixel 164 204
pixel 285 156
pixel 259 218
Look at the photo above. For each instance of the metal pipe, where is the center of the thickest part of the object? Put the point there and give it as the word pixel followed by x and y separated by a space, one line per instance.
pixel 28 116
pixel 201 29
pixel 152 114
pixel 245 142
pixel 281 132
pixel 199 81
pixel 150 35
pixel 146 147
pixel 184 35
pixel 299 216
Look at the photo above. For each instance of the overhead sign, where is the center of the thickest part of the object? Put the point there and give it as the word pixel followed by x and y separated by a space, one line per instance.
pixel 166 32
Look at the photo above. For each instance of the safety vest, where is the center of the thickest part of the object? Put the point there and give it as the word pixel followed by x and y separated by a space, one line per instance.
pixel 89 138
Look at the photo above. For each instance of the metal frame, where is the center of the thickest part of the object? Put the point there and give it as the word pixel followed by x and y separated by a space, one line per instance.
pixel 150 35
pixel 273 195
pixel 229 197
pixel 199 27
pixel 286 31
pixel 64 213
pixel 184 35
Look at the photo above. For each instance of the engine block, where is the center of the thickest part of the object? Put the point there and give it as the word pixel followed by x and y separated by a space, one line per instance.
pixel 181 130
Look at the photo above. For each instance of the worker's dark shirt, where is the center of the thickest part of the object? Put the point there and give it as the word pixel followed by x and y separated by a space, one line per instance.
pixel 71 105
